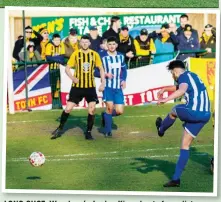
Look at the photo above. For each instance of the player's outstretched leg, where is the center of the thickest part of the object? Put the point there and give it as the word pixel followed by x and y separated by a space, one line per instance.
pixel 163 125
pixel 182 161
pixel 64 116
pixel 90 120
pixel 108 119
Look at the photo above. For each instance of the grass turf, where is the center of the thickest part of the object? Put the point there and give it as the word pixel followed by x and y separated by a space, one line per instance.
pixel 134 159
pixel 115 3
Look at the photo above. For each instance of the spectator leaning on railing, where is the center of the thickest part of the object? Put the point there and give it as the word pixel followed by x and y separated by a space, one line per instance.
pixel 144 46
pixel 208 42
pixel 126 44
pixel 165 41
pixel 55 51
pixel 95 39
pixel 114 29
pixel 184 20
pixel 71 43
pixel 188 43
pixel 19 44
pixel 32 55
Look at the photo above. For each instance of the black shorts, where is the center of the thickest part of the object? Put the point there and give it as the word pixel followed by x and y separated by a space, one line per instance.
pixel 77 94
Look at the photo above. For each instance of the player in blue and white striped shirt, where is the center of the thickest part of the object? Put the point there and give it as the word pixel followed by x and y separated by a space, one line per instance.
pixel 195 113
pixel 116 73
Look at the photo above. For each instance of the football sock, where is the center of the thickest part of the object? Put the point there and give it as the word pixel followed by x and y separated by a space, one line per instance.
pixel 181 163
pixel 114 113
pixel 166 123
pixel 64 117
pixel 108 122
pixel 90 122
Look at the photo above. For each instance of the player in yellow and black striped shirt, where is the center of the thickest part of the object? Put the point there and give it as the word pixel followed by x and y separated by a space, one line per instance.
pixel 84 61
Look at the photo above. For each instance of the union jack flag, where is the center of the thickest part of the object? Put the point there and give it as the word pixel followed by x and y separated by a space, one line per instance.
pixel 39 89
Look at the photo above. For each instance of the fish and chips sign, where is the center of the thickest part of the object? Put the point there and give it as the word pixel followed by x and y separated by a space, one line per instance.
pixel 62 25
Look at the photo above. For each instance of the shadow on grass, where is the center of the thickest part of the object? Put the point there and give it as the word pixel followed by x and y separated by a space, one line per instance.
pixel 33 178
pixel 147 165
pixel 81 122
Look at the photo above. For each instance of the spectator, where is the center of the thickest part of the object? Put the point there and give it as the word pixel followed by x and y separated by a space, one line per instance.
pixel 19 44
pixel 165 42
pixel 32 55
pixel 188 42
pixel 126 44
pixel 208 42
pixel 55 51
pixel 173 28
pixel 184 20
pixel 144 46
pixel 103 47
pixel 71 43
pixel 43 35
pixel 114 29
pixel 95 39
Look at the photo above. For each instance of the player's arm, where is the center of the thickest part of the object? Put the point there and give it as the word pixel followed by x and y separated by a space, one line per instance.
pixel 178 93
pixel 71 63
pixel 167 89
pixel 99 65
pixel 123 76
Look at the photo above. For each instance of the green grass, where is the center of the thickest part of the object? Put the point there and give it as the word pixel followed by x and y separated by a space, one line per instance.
pixel 115 3
pixel 128 161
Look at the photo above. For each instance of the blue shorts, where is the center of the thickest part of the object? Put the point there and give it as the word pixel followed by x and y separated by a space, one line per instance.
pixel 113 95
pixel 194 121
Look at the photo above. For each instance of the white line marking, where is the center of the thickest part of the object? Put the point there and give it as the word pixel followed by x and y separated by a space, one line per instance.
pixel 73 119
pixel 111 158
pixel 134 132
pixel 113 152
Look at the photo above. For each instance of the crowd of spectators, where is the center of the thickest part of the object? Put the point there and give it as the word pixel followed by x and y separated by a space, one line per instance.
pixel 155 47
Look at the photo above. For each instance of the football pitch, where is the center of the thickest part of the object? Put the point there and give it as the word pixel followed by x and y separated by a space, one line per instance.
pixel 134 159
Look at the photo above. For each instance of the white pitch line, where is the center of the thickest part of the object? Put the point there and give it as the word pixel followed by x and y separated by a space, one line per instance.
pixel 134 132
pixel 73 119
pixel 110 158
pixel 113 152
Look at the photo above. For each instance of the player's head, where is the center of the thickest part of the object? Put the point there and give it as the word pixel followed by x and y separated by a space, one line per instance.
pixel 176 67
pixel 85 42
pixel 112 44
pixel 56 39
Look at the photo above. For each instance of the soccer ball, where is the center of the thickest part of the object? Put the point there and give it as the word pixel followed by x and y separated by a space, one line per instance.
pixel 37 159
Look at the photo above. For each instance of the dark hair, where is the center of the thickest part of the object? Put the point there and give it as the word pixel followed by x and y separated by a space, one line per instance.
pixel 85 37
pixel 176 64
pixel 28 27
pixel 114 19
pixel 184 16
pixel 111 39
pixel 55 36
pixel 29 46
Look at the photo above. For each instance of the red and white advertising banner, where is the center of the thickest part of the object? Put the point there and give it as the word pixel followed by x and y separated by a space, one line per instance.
pixel 143 84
